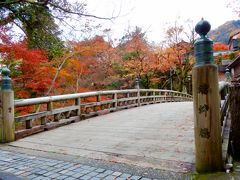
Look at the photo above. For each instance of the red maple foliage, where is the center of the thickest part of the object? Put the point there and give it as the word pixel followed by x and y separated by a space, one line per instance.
pixel 218 46
pixel 28 70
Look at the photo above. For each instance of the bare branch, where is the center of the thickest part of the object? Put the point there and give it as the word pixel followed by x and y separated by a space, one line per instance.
pixel 7 20
pixel 77 13
pixel 57 73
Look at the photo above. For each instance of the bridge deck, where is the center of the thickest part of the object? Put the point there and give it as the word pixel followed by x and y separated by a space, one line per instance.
pixel 158 136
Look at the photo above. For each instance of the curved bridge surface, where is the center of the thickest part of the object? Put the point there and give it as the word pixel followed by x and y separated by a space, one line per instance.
pixel 158 136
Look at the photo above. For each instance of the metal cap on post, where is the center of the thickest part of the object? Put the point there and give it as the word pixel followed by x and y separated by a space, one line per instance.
pixel 227 74
pixel 6 80
pixel 203 46
pixel 206 101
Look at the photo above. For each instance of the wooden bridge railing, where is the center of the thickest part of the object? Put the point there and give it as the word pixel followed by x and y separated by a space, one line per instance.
pixel 225 119
pixel 63 109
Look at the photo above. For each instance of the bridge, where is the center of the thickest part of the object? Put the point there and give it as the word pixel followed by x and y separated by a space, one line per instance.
pixel 147 128
pixel 140 129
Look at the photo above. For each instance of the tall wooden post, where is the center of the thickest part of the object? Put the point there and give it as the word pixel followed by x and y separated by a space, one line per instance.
pixel 235 117
pixel 207 127
pixel 7 123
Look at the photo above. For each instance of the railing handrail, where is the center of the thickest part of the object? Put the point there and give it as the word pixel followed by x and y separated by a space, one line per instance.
pixel 41 100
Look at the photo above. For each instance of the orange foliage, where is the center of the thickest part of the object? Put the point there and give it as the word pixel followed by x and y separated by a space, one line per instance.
pixel 218 46
pixel 89 66
pixel 137 54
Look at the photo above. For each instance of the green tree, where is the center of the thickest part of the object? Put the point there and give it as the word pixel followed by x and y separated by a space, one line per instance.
pixel 38 25
pixel 37 19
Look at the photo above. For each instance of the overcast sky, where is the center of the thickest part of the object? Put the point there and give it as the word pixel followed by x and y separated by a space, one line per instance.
pixel 154 16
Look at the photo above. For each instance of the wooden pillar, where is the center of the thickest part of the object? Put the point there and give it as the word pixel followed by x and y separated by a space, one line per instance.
pixel 7 122
pixel 206 100
pixel 235 117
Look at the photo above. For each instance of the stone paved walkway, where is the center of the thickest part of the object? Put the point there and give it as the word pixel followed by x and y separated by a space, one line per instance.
pixel 39 168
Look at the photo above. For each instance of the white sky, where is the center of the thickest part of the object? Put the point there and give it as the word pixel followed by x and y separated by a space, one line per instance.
pixel 154 15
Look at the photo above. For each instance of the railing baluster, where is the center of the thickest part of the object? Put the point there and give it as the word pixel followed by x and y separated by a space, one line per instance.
pixel 43 120
pixel 87 110
pixel 49 106
pixel 28 124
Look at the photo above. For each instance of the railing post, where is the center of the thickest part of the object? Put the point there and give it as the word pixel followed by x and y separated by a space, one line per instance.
pixel 78 103
pixel 207 127
pixel 115 100
pixel 138 97
pixel 49 106
pixel 137 86
pixel 170 96
pixel 7 122
pixel 98 99
pixel 154 97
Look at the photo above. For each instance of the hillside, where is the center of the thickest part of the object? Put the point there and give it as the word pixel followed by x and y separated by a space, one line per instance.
pixel 222 33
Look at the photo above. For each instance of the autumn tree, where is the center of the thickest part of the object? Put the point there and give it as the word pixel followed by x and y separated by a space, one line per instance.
pixel 176 57
pixel 136 56
pixel 88 66
pixel 218 46
pixel 28 69
pixel 222 53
